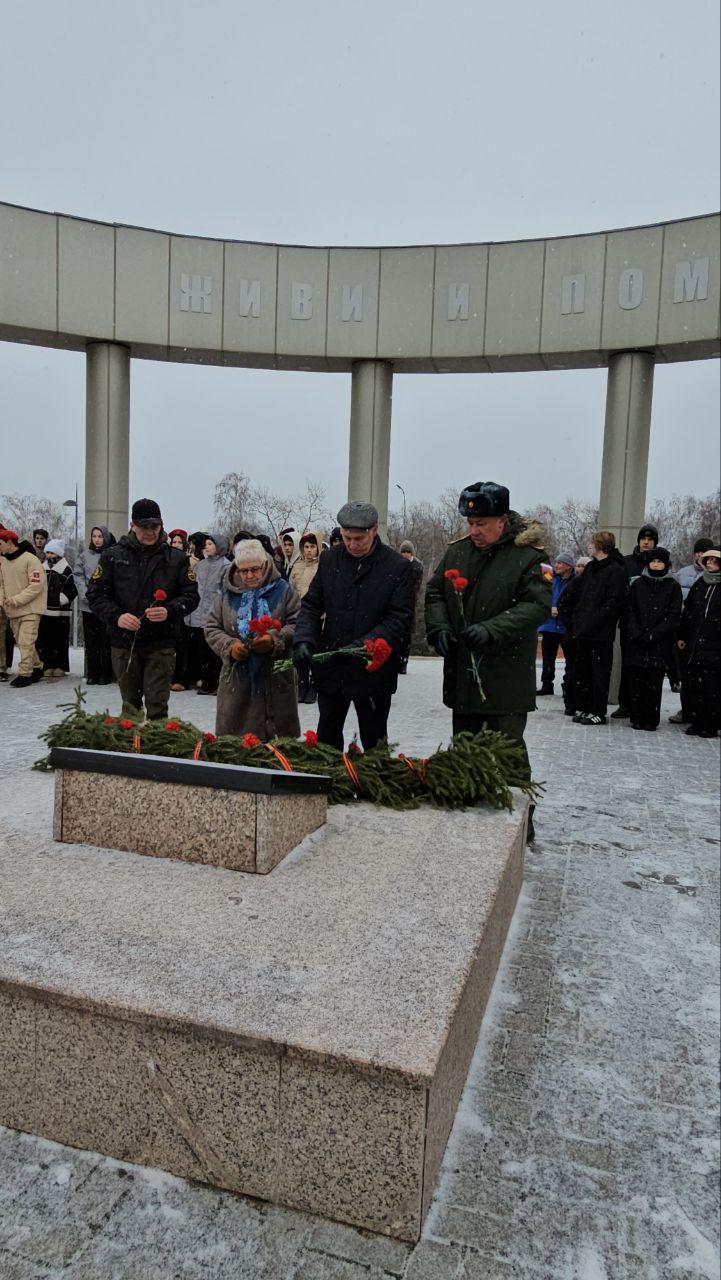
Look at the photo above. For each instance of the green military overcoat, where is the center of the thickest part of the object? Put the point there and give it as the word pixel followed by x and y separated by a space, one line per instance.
pixel 509 591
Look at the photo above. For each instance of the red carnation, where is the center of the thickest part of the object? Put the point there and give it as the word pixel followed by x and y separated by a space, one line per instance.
pixel 460 584
pixel 311 737
pixel 254 626
pixel 110 720
pixel 379 652
pixel 451 574
pixel 175 725
pixel 276 624
pixel 354 749
pixel 250 740
pixel 126 724
pixel 210 737
pixel 160 595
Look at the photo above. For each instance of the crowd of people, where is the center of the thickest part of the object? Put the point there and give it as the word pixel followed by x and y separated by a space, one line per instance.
pixel 264 626
pixel 669 626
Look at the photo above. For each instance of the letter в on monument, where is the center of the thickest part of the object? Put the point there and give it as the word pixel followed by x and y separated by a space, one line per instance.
pixel 301 306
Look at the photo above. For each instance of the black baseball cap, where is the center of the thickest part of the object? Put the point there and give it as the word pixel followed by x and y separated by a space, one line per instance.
pixel 146 512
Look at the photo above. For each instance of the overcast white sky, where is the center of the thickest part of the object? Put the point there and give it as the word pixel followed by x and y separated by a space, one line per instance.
pixel 330 122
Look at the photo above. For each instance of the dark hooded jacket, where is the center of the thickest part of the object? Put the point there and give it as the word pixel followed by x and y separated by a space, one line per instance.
pixel 652 612
pixel 509 592
pixel 125 581
pixel 86 563
pixel 604 585
pixel 351 600
pixel 700 624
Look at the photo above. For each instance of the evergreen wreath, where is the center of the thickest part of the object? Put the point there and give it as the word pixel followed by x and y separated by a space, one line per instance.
pixel 475 769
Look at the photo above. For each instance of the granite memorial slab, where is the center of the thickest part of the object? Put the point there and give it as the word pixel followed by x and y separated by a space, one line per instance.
pixel 243 819
pixel 302 1037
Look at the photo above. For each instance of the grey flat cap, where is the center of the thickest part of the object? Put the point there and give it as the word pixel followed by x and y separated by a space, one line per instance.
pixel 357 515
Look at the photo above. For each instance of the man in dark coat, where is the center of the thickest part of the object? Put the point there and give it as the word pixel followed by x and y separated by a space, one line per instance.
pixel 699 636
pixel 142 589
pixel 651 617
pixel 363 590
pixel 635 563
pixel 492 619
pixel 604 586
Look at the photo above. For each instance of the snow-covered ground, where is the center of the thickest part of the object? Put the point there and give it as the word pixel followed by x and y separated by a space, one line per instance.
pixel 586 1145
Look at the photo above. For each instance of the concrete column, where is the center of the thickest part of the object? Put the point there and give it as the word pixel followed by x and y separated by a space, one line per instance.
pixel 624 470
pixel 370 435
pixel 107 436
pixel 627 431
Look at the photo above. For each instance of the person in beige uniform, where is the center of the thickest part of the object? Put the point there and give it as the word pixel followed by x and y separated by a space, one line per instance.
pixel 23 596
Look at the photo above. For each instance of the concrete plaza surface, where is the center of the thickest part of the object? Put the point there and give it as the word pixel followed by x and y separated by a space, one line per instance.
pixel 586 1143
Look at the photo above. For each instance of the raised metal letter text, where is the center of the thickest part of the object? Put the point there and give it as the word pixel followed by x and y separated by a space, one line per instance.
pixel 195 293
pixel 573 295
pixel 691 282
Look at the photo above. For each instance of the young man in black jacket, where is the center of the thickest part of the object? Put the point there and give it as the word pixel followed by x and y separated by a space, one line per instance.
pixel 651 617
pixel 363 590
pixel 142 589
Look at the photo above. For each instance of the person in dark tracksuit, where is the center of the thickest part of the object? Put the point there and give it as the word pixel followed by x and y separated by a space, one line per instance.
pixel 651 616
pixel 596 613
pixel 699 637
pixel 142 589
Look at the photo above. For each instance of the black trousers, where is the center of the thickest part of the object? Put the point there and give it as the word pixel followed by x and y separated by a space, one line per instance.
pixel 569 674
pixel 594 659
pixel 98 663
pixel 643 686
pixel 204 661
pixel 704 697
pixel 551 642
pixel 183 659
pixel 372 718
pixel 53 643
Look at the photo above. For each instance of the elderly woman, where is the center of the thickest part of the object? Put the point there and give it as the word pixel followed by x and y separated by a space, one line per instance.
pixel 252 698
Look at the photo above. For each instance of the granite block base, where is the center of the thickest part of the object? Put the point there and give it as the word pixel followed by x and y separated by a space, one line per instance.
pixel 303 1039
pixel 238 830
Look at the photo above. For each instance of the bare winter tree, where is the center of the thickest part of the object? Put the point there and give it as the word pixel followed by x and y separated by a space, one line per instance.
pixel 568 527
pixel 232 503
pixel 680 520
pixel 25 512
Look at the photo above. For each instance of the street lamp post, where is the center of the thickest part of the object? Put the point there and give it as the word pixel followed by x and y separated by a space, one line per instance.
pixel 73 502
pixel 400 486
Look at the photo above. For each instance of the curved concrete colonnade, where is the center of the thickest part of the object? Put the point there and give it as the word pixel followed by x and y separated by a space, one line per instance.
pixel 625 298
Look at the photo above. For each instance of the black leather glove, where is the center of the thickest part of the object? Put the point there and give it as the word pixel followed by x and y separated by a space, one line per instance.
pixel 303 653
pixel 442 643
pixel 477 636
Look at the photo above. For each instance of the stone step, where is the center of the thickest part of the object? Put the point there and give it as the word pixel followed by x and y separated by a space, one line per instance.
pixel 302 1037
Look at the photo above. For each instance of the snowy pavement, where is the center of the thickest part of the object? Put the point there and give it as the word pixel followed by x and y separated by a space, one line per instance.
pixel 586 1146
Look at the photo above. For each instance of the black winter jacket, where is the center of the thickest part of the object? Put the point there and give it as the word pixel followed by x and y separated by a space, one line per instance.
pixel 700 624
pixel 125 581
pixel 361 599
pixel 567 602
pixel 604 584
pixel 651 616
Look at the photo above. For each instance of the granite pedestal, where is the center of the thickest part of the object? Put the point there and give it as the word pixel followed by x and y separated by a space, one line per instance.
pixel 221 815
pixel 303 1038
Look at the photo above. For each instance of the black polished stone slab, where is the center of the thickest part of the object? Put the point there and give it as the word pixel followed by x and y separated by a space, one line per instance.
pixel 194 773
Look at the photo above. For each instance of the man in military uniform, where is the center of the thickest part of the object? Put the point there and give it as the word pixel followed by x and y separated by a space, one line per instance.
pixel 142 589
pixel 494 618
